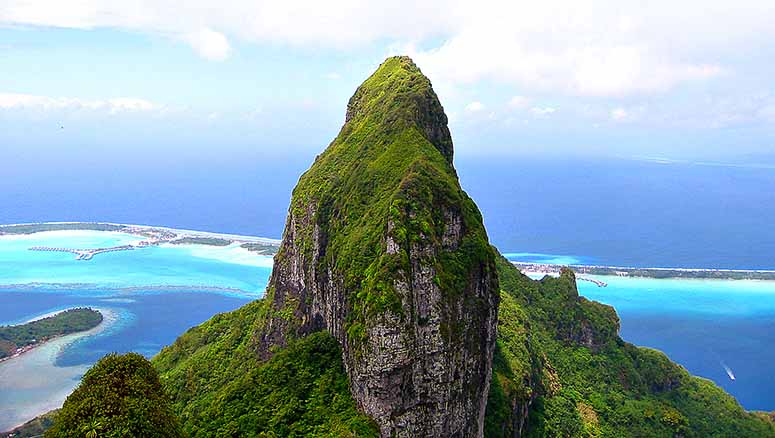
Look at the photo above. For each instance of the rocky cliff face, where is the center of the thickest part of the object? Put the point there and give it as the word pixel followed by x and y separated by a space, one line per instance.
pixel 384 250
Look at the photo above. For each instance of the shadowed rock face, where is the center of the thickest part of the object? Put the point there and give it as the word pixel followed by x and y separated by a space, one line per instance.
pixel 384 250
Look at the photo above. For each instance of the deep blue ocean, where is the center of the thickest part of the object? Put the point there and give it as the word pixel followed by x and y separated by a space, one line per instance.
pixel 629 213
pixel 613 212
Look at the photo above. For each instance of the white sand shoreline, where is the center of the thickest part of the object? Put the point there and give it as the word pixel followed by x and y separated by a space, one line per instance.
pixel 34 372
pixel 181 232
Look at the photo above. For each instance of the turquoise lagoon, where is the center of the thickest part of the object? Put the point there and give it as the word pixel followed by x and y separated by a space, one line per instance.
pixel 228 267
pixel 149 297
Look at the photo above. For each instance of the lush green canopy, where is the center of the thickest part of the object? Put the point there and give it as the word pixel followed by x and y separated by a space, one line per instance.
pixel 120 396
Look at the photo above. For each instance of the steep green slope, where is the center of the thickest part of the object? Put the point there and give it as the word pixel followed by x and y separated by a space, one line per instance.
pixel 219 387
pixel 560 361
pixel 33 428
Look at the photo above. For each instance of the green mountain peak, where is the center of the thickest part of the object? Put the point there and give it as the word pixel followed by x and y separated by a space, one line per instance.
pixel 384 250
pixel 396 96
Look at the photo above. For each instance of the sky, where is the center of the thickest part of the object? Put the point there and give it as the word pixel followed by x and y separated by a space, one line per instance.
pixel 154 83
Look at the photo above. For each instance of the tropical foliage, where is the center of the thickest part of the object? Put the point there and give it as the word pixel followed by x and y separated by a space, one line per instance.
pixel 560 359
pixel 120 396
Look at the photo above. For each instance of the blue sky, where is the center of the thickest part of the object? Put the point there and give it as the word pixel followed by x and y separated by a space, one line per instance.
pixel 227 81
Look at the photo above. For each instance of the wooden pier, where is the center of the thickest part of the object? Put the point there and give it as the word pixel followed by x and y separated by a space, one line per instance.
pixel 84 254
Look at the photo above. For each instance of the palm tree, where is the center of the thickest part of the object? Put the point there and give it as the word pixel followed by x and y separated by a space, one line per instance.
pixel 92 428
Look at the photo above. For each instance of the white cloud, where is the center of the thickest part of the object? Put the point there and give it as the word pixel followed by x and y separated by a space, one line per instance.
pixel 333 76
pixel 474 107
pixel 519 102
pixel 12 101
pixel 255 114
pixel 130 104
pixel 588 70
pixel 209 44
pixel 595 48
pixel 338 24
pixel 543 111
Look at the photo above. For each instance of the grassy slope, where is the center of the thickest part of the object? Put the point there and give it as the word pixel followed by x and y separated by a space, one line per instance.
pixel 611 389
pixel 33 428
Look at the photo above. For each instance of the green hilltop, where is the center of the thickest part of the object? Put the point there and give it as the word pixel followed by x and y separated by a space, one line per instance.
pixel 120 396
pixel 391 160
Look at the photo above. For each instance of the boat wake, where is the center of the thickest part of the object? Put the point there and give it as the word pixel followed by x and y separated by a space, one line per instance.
pixel 729 371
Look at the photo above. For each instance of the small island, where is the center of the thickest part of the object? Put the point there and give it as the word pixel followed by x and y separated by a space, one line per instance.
pixel 18 339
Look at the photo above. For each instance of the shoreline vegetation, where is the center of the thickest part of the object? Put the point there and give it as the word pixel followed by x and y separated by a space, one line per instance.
pixel 16 340
pixel 34 428
pixel 656 273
